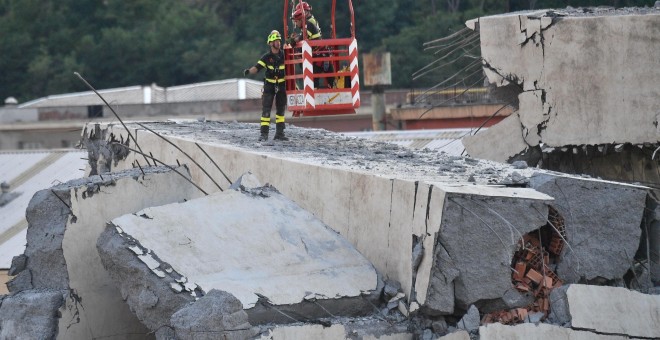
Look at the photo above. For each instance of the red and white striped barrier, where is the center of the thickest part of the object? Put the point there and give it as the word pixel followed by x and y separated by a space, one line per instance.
pixel 308 72
pixel 355 74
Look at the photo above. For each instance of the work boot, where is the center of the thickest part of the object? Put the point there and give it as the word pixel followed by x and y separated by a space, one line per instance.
pixel 280 136
pixel 264 133
pixel 279 132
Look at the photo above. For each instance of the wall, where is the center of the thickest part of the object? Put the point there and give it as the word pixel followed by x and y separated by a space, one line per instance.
pixel 12 114
pixel 39 136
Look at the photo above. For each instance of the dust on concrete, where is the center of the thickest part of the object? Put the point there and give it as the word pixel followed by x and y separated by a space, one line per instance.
pixel 318 146
pixel 597 11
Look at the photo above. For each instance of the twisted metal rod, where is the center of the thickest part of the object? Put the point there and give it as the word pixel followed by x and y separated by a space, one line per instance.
pixel 168 166
pixel 113 111
pixel 157 134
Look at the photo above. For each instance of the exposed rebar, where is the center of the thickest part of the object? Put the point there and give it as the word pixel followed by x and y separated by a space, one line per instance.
pixel 168 166
pixel 212 161
pixel 180 150
pixel 463 30
pixel 61 200
pixel 115 113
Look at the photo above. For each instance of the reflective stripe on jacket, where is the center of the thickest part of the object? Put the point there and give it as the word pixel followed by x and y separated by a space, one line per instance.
pixel 274 65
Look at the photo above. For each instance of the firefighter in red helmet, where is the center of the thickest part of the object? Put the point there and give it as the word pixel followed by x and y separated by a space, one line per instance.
pixel 313 32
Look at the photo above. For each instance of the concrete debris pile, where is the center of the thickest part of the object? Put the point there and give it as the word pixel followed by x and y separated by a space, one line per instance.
pixel 491 242
pixel 532 272
pixel 412 251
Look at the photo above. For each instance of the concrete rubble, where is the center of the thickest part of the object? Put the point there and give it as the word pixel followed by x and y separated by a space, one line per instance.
pixel 248 262
pixel 541 331
pixel 353 239
pixel 623 312
pixel 589 255
pixel 59 284
pixel 455 225
pixel 273 260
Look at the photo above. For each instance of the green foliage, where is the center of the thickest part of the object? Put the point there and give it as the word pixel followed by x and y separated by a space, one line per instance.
pixel 116 43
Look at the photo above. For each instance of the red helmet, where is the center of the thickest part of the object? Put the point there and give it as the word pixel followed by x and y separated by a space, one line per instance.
pixel 297 14
pixel 307 7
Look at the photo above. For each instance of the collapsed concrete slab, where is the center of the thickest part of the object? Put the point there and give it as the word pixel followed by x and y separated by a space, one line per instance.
pixel 368 328
pixel 591 95
pixel 469 245
pixel 364 328
pixel 278 260
pixel 61 258
pixel 623 312
pixel 592 253
pixel 541 331
pixel 391 203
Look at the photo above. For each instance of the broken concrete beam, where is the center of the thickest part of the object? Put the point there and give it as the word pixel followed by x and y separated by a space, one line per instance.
pixel 64 223
pixel 458 335
pixel 471 244
pixel 30 314
pixel 542 331
pixel 148 296
pixel 619 311
pixel 509 144
pixel 386 200
pixel 353 185
pixel 559 105
pixel 281 263
pixel 602 221
pixel 331 329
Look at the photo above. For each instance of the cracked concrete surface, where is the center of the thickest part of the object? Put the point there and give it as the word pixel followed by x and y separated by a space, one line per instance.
pixel 470 245
pixel 408 211
pixel 624 312
pixel 574 88
pixel 540 331
pixel 444 227
pixel 605 252
pixel 279 262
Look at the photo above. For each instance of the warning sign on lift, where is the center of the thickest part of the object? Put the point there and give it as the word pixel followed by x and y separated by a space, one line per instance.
pixel 296 99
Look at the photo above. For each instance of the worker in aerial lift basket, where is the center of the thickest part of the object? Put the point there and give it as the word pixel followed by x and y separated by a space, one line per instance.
pixel 313 33
pixel 274 86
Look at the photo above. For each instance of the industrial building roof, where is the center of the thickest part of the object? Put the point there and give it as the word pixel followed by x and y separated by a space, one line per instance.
pixel 228 89
pixel 28 172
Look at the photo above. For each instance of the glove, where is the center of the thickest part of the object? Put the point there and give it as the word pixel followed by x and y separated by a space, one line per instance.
pixel 293 37
pixel 246 71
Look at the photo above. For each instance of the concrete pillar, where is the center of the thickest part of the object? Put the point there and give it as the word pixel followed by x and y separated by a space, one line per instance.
pixel 378 105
